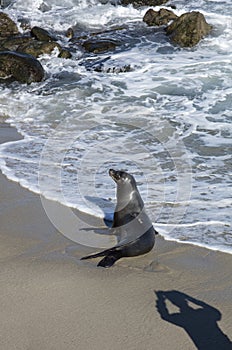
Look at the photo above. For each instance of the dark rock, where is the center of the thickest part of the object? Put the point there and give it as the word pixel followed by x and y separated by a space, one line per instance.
pixel 31 46
pixel 12 43
pixel 64 53
pixel 158 18
pixel 38 48
pixel 172 6
pixel 7 26
pixel 21 67
pixel 100 46
pixel 188 29
pixel 42 34
pixel 70 33
pixel 139 3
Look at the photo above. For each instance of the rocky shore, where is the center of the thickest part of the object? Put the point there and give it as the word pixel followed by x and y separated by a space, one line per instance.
pixel 21 47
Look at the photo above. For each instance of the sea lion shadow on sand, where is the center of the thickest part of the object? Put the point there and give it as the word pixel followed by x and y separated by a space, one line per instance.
pixel 131 225
pixel 197 318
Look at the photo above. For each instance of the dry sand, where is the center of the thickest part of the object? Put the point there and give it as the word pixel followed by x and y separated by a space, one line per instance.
pixel 176 297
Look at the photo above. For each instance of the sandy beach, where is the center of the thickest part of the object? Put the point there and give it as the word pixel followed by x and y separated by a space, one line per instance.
pixel 176 297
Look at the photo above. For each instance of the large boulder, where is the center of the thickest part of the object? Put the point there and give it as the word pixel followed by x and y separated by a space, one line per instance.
pixel 43 43
pixel 188 29
pixel 139 3
pixel 158 18
pixel 21 67
pixel 7 26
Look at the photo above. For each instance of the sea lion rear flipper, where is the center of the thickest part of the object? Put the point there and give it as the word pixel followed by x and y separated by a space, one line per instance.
pixel 108 261
pixel 110 256
pixel 93 256
pixel 103 253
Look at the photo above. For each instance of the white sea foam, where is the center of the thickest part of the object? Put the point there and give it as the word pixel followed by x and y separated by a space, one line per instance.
pixel 168 120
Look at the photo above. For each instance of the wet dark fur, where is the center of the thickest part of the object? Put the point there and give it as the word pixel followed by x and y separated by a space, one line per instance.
pixel 129 211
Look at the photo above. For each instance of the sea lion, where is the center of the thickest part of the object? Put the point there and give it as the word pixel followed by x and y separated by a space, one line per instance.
pixel 132 226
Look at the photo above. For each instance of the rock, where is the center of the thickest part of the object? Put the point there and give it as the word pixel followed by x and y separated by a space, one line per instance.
pixel 38 48
pixel 70 33
pixel 7 26
pixel 99 46
pixel 188 29
pixel 158 18
pixel 172 6
pixel 31 46
pixel 139 3
pixel 42 34
pixel 64 53
pixel 21 67
pixel 12 43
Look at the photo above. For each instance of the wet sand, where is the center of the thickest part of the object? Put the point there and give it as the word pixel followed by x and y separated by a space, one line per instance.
pixel 176 297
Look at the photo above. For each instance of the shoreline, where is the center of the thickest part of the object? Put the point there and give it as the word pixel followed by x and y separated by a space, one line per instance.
pixel 52 300
pixel 9 133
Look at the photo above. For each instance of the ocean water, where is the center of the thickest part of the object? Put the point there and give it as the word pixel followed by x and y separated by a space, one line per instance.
pixel 167 120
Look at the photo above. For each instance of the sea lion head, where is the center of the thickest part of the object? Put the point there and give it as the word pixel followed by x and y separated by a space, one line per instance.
pixel 129 200
pixel 122 178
